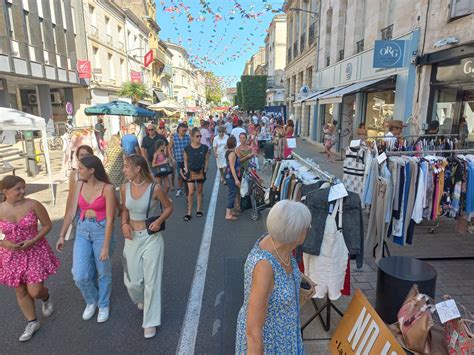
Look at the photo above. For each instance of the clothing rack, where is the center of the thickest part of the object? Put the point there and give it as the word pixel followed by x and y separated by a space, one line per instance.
pixel 413 152
pixel 328 305
pixel 415 136
pixel 385 247
pixel 314 167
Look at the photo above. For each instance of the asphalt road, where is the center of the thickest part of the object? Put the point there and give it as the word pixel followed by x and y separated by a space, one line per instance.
pixel 66 332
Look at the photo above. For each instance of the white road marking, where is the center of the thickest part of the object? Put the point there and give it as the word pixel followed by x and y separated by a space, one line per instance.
pixel 218 298
pixel 187 339
pixel 216 326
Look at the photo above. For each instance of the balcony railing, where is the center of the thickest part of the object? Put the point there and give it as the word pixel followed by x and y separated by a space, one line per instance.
pixel 295 50
pixel 387 32
pixel 312 34
pixel 302 42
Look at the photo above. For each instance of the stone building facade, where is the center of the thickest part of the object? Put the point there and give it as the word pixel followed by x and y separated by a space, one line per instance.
pixel 40 43
pixel 275 51
pixel 301 43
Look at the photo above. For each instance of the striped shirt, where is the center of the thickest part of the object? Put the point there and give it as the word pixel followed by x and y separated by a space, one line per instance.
pixel 178 146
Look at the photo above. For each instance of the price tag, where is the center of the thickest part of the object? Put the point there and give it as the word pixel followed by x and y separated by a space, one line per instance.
pixel 355 143
pixel 381 158
pixel 337 191
pixel 447 310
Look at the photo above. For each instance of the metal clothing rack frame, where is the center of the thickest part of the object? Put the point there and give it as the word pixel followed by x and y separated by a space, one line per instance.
pixel 414 136
pixel 418 152
pixel 328 305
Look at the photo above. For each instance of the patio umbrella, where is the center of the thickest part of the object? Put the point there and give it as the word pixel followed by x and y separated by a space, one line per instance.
pixel 166 106
pixel 118 108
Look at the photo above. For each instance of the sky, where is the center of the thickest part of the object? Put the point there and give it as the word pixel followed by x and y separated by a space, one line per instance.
pixel 219 35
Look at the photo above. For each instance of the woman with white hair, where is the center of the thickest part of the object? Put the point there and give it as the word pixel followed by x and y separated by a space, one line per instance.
pixel 269 320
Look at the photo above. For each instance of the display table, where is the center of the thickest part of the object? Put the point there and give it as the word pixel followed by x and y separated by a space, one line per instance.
pixel 395 277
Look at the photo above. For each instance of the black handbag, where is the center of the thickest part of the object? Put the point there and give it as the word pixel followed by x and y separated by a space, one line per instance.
pixel 162 170
pixel 150 220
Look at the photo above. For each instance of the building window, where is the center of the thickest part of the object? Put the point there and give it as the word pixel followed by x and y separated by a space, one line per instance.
pixel 123 70
pixel 444 109
pixel 63 14
pixel 328 61
pixel 11 30
pixel 309 80
pixel 387 32
pixel 92 16
pixel 360 46
pixel 341 54
pixel 73 15
pixel 380 108
pixel 111 67
pixel 460 8
pixel 327 44
pixel 95 57
pixel 53 11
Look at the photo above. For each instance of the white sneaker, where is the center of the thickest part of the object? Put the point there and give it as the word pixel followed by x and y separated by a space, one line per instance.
pixel 89 311
pixel 149 332
pixel 179 192
pixel 103 315
pixel 30 329
pixel 47 307
pixel 140 306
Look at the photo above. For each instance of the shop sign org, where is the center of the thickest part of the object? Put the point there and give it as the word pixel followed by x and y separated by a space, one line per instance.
pixel 389 54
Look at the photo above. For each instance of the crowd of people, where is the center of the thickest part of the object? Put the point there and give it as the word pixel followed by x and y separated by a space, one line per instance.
pixel 133 182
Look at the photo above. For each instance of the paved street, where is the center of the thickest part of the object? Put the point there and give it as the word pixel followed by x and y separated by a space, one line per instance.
pixel 65 331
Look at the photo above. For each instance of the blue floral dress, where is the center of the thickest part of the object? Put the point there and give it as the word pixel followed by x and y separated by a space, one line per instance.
pixel 281 331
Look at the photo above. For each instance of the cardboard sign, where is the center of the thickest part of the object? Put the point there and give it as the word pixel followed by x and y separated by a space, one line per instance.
pixel 362 331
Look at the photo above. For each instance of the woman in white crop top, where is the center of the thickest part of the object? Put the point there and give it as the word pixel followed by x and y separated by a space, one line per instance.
pixel 143 253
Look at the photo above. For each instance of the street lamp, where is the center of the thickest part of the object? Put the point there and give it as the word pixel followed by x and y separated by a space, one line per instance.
pixel 303 10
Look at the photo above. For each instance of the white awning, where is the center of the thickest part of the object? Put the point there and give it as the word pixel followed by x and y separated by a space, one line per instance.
pixel 323 93
pixel 335 96
pixel 309 97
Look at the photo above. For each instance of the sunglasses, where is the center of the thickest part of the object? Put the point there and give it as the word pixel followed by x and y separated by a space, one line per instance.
pixel 150 129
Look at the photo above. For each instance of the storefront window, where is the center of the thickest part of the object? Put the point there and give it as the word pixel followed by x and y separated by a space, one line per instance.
pixel 380 107
pixel 328 117
pixel 443 110
pixel 466 126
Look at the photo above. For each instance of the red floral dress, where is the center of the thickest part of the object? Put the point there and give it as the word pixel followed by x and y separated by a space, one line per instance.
pixel 27 266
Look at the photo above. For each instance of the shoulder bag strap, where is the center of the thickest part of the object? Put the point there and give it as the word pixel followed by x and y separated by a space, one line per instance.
pixel 149 199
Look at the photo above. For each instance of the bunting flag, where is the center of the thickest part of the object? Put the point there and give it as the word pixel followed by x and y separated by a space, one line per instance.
pixel 216 45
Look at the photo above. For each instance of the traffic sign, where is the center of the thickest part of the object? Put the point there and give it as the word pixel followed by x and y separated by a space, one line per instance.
pixel 148 58
pixel 69 108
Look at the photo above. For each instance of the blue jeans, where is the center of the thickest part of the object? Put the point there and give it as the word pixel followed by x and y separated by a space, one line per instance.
pixel 87 270
pixel 233 189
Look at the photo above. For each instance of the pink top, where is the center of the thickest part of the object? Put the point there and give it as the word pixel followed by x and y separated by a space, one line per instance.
pixel 98 206
pixel 160 158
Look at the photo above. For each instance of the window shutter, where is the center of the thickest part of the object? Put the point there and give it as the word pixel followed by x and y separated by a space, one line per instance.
pixel 461 8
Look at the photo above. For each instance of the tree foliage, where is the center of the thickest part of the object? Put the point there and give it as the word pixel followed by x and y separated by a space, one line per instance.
pixel 253 88
pixel 136 91
pixel 214 91
pixel 238 97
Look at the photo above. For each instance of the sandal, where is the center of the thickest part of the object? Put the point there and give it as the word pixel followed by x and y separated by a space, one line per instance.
pixel 199 214
pixel 233 218
pixel 187 217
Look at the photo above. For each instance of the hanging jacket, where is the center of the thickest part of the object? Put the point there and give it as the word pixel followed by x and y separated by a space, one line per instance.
pixel 352 223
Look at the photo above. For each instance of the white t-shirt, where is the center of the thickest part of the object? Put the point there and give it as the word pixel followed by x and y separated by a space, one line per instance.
pixel 254 119
pixel 236 133
pixel 205 137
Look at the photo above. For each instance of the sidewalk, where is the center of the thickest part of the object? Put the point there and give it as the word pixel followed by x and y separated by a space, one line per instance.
pixel 455 277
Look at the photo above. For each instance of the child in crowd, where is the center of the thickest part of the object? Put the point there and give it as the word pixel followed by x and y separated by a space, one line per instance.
pixel 161 167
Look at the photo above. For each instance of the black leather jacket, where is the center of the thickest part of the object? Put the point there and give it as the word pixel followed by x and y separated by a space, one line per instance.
pixel 352 223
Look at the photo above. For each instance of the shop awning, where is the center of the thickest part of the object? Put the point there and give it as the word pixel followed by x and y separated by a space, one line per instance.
pixel 308 98
pixel 335 96
pixel 322 93
pixel 159 95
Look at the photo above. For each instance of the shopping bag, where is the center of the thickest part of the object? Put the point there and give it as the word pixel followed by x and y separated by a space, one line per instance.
pixel 459 333
pixel 244 187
